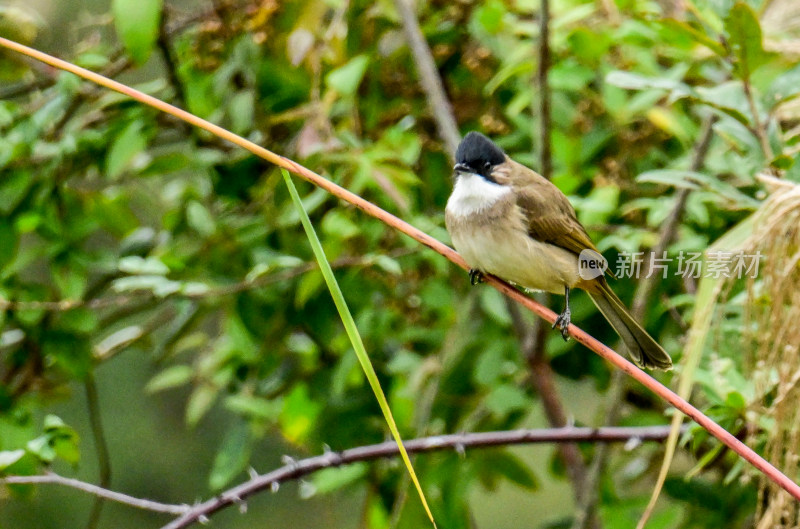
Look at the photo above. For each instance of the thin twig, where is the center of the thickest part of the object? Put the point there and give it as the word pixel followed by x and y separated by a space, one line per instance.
pixel 100 492
pixel 545 118
pixel 459 442
pixel 438 103
pixel 758 128
pixel 395 222
pixel 167 54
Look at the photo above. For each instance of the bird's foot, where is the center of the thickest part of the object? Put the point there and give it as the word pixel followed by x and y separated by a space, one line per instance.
pixel 475 276
pixel 562 323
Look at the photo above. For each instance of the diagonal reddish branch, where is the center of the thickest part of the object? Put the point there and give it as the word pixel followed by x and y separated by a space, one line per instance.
pixel 580 335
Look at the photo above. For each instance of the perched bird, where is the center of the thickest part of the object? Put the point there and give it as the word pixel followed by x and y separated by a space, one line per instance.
pixel 509 221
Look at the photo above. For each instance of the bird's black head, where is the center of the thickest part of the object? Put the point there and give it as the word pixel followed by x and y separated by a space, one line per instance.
pixel 478 154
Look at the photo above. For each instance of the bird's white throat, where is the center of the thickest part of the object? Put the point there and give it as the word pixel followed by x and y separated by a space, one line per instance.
pixel 473 193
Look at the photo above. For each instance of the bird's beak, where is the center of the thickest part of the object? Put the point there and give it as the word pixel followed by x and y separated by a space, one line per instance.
pixel 462 168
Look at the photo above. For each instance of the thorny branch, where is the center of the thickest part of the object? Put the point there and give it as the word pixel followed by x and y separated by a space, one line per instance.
pixel 459 442
pixel 296 469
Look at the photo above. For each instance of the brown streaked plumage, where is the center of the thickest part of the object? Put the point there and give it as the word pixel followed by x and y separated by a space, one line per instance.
pixel 509 221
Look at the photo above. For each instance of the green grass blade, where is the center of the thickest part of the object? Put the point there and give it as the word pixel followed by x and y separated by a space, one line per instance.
pixel 353 334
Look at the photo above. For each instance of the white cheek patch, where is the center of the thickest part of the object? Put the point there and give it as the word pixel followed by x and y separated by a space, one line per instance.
pixel 473 193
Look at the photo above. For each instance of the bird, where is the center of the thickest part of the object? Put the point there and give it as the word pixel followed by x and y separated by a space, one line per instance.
pixel 509 221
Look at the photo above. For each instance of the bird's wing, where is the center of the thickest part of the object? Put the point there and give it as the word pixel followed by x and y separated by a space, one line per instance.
pixel 553 221
pixel 546 211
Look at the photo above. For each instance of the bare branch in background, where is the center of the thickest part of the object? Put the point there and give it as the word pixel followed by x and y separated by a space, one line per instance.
pixel 304 467
pixel 545 119
pixel 54 479
pixel 458 442
pixel 429 78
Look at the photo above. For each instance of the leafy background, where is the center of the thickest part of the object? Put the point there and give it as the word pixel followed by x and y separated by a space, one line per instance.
pixel 180 288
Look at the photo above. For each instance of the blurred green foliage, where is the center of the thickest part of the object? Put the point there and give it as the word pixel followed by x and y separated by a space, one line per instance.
pixel 144 237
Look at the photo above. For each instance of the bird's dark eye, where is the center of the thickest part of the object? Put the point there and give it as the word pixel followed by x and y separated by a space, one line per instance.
pixel 487 165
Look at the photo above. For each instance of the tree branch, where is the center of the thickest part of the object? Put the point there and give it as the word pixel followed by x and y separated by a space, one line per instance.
pixel 429 77
pixel 303 467
pixel 545 158
pixel 459 442
pixel 395 222
pixel 100 492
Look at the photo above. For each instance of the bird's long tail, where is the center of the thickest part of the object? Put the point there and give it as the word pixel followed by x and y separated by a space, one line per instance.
pixel 644 351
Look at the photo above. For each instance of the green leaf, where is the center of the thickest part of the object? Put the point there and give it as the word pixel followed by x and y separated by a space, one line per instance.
pixel 9 457
pixel 337 224
pixel 171 377
pixel 726 97
pixel 635 81
pixel 736 400
pixel 199 219
pixel 14 186
pixel 387 264
pixel 697 35
pixel 490 16
pixel 53 422
pixel 71 280
pixel 41 448
pixel 79 320
pixel 58 440
pixel 128 143
pixel 299 414
pixel 8 241
pixel 137 23
pixel 308 287
pixel 784 88
pixel 232 457
pixel 744 35
pixel 506 398
pixel 200 401
pixel 494 305
pixel 160 286
pixel 333 479
pixel 256 407
pixel 20 24
pixel 72 353
pixel 510 467
pixel 696 180
pixel 346 79
pixel 489 367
